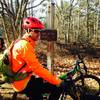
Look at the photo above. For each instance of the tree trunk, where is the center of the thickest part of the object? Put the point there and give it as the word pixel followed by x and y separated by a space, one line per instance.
pixel 4 25
pixel 88 34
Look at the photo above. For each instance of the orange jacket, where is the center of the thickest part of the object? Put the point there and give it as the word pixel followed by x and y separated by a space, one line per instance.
pixel 23 51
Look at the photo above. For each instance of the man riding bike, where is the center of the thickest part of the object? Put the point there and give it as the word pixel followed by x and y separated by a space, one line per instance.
pixel 23 52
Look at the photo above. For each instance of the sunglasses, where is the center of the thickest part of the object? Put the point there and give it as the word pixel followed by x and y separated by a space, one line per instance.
pixel 35 30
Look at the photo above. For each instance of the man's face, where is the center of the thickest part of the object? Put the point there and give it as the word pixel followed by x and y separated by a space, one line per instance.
pixel 35 33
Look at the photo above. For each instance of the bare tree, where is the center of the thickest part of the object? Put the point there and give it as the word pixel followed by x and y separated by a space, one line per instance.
pixel 12 12
pixel 79 20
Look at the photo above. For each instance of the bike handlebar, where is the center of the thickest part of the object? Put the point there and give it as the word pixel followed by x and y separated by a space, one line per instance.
pixel 76 69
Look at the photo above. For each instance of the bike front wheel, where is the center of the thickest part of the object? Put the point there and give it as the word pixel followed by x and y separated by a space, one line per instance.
pixel 88 84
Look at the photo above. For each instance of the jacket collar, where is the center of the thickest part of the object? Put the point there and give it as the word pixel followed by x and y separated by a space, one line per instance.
pixel 29 39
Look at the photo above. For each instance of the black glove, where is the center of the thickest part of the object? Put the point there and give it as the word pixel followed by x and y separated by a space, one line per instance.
pixel 66 84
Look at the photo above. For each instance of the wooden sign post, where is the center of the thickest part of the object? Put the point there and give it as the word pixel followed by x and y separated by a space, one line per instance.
pixel 49 35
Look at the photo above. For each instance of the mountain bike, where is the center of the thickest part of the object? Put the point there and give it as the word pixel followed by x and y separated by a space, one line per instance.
pixel 83 84
pixel 79 83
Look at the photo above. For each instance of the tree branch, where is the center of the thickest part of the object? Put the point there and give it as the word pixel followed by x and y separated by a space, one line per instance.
pixel 35 5
pixel 7 9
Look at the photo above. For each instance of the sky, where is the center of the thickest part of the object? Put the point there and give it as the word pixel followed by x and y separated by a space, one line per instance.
pixel 38 1
pixel 37 9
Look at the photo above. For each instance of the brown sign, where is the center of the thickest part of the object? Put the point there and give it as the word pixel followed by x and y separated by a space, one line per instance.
pixel 48 34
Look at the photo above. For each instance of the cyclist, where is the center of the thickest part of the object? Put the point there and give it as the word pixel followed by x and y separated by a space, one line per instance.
pixel 23 52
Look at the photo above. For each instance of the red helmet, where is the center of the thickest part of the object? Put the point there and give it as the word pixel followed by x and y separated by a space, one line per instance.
pixel 32 23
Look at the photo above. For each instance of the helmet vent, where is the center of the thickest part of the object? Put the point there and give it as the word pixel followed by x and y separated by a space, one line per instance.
pixel 33 20
pixel 27 22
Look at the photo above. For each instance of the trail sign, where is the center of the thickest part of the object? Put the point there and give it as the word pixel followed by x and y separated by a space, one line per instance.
pixel 48 34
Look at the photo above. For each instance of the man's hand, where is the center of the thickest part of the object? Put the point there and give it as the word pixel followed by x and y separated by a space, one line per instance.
pixel 65 84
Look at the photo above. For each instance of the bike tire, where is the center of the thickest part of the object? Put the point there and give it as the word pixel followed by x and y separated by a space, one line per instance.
pixel 80 90
pixel 88 84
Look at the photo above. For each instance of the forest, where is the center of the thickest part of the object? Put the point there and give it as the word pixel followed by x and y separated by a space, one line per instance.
pixel 75 20
pixel 77 23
